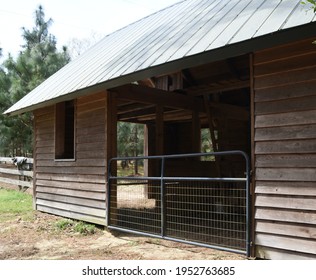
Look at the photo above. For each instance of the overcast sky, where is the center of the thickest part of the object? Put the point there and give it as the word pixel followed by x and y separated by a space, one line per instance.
pixel 72 18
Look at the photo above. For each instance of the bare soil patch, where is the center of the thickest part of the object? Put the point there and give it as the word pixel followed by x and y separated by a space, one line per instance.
pixel 40 239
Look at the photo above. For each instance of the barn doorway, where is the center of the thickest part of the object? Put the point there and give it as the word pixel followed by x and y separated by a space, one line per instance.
pixel 181 112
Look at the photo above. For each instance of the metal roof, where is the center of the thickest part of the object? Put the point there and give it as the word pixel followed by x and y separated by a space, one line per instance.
pixel 183 30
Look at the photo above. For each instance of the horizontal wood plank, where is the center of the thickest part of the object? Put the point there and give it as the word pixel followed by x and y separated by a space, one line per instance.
pixel 91 98
pixel 307 131
pixel 290 216
pixel 288 105
pixel 84 186
pixel 286 64
pixel 286 202
pixel 281 52
pixel 281 92
pixel 286 147
pixel 72 215
pixel 49 156
pixel 93 147
pixel 76 163
pixel 91 138
pixel 73 193
pixel 96 154
pixel 71 170
pixel 294 230
pixel 90 131
pixel 275 254
pixel 285 78
pixel 286 174
pixel 72 200
pixel 71 207
pixel 286 243
pixel 45 143
pixel 93 179
pixel 294 160
pixel 44 110
pixel 90 107
pixel 45 137
pixel 286 188
pixel 286 119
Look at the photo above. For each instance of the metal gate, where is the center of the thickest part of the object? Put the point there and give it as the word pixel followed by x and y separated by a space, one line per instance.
pixel 210 211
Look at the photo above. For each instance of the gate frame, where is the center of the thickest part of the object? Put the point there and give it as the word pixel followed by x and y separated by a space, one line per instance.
pixel 162 179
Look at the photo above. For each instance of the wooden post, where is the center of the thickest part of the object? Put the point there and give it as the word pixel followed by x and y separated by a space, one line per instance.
pixel 111 147
pixel 159 147
pixel 196 132
pixel 252 129
pixel 146 153
pixel 159 130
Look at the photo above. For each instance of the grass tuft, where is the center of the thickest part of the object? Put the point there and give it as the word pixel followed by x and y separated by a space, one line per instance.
pixel 76 226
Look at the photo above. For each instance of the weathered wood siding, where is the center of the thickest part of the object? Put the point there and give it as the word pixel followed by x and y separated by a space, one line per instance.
pixel 285 151
pixel 74 189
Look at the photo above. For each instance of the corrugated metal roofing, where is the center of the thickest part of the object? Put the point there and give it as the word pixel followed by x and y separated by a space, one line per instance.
pixel 187 28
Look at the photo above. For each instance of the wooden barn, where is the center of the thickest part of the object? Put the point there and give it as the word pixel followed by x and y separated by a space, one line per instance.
pixel 244 70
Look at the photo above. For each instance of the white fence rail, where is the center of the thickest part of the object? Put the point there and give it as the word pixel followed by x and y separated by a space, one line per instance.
pixel 10 175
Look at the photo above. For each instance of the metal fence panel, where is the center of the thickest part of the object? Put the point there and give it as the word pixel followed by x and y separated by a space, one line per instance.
pixel 207 211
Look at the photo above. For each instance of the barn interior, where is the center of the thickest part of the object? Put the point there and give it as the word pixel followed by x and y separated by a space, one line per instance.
pixel 175 107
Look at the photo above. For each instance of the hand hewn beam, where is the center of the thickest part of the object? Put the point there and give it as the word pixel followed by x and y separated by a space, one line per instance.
pixel 174 100
pixel 159 97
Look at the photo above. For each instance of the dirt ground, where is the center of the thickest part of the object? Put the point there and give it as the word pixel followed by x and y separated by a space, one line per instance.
pixel 40 239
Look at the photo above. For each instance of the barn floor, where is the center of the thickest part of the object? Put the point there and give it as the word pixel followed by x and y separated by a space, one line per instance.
pixel 38 239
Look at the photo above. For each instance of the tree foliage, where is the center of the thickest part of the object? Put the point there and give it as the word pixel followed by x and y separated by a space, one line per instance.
pixel 130 141
pixel 311 2
pixel 38 60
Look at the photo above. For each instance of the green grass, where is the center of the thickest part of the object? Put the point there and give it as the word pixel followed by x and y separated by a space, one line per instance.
pixel 129 171
pixel 15 204
pixel 64 224
pixel 76 226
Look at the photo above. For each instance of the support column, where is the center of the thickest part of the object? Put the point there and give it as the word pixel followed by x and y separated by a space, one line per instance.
pixel 111 147
pixel 159 130
pixel 196 132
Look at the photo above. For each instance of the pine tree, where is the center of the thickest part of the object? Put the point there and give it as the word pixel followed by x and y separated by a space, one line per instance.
pixel 38 60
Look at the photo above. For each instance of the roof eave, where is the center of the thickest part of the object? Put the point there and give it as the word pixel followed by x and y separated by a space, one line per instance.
pixel 247 46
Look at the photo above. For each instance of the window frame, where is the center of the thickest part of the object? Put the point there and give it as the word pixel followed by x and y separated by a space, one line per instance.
pixel 57 124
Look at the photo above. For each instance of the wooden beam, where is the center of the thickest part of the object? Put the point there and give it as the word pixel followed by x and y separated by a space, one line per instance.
pixel 141 112
pixel 131 107
pixel 175 100
pixel 159 97
pixel 211 89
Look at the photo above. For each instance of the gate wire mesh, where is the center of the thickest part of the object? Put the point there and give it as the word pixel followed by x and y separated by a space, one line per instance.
pixel 205 211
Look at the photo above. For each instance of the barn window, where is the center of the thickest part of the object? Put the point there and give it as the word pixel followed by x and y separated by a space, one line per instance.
pixel 65 130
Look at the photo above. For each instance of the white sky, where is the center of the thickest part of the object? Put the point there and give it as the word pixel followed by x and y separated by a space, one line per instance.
pixel 72 18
